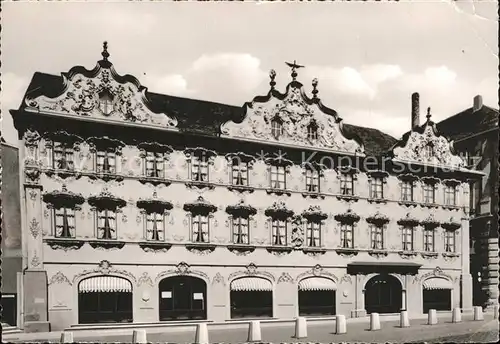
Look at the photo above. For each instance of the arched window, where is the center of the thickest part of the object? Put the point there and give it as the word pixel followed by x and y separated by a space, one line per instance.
pixel 277 127
pixel 106 102
pixel 182 298
pixel 436 294
pixel 383 294
pixel 104 299
pixel 251 297
pixel 317 296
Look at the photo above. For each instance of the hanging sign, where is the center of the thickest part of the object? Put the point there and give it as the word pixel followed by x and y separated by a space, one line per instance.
pixel 166 294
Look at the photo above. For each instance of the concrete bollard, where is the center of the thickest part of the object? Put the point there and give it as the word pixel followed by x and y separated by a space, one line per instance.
pixel 404 321
pixel 478 313
pixel 139 336
pixel 456 316
pixel 300 327
pixel 340 324
pixel 374 322
pixel 254 333
pixel 432 317
pixel 67 337
pixel 201 334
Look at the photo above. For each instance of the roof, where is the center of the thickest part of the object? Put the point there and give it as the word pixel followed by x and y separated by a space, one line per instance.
pixel 468 122
pixel 204 117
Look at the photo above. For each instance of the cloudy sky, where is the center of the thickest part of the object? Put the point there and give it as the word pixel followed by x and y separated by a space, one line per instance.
pixel 368 57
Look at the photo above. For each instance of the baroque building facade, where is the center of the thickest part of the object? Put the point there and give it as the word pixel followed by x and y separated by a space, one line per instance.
pixel 140 207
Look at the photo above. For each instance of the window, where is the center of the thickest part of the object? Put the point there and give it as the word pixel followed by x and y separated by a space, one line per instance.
pixel 155 165
pixel 312 179
pixel 449 243
pixel 407 191
pixel 312 131
pixel 62 157
pixel 64 223
pixel 376 188
pixel 347 235
pixel 450 195
pixel 106 224
pixel 407 237
pixel 199 168
pixel 279 232
pixel 239 172
pixel 200 228
pixel 377 237
pixel 240 230
pixel 475 199
pixel 429 193
pixel 277 127
pixel 429 240
pixel 429 150
pixel 346 184
pixel 106 102
pixel 313 234
pixel 154 227
pixel 278 177
pixel 106 162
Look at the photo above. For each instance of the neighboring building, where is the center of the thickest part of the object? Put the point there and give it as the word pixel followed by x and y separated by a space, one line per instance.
pixel 475 134
pixel 11 233
pixel 145 207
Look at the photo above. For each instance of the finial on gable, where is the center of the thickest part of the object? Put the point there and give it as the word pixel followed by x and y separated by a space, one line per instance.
pixel 294 67
pixel 315 90
pixel 105 53
pixel 272 75
pixel 428 114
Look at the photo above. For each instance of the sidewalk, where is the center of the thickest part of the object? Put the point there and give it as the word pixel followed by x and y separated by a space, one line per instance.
pixel 357 331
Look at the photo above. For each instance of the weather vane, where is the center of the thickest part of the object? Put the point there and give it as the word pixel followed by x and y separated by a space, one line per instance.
pixel 294 67
pixel 105 53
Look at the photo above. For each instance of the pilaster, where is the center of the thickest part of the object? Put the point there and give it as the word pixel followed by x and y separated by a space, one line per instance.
pixel 466 289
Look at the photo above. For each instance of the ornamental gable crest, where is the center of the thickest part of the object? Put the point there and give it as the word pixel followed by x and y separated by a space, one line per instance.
pixel 426 146
pixel 292 119
pixel 102 93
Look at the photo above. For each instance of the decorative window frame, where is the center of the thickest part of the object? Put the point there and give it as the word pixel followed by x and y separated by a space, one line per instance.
pixel 382 176
pixel 430 224
pixel 350 218
pixel 58 200
pixel 245 158
pixel 241 210
pixel 408 222
pixel 278 162
pixel 314 215
pixel 412 180
pixel 157 148
pixel 202 208
pixel 279 211
pixel 196 152
pixel 354 172
pixel 106 144
pixel 380 221
pixel 452 183
pixel 429 181
pixel 67 140
pixel 320 169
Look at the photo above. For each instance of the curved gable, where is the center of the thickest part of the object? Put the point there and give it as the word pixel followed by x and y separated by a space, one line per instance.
pixel 101 93
pixel 296 111
pixel 425 145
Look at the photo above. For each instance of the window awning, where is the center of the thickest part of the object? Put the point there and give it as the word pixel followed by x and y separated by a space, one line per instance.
pixel 105 284
pixel 317 283
pixel 437 283
pixel 251 284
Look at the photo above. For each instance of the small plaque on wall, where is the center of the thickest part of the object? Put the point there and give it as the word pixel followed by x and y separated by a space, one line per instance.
pixel 166 294
pixel 198 296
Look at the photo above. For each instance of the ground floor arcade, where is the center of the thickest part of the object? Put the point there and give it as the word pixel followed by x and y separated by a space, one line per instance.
pixel 187 294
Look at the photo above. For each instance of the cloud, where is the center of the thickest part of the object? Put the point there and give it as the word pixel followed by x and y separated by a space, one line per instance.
pixel 173 84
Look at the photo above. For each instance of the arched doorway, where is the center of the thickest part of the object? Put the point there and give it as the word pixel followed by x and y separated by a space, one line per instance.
pixel 383 294
pixel 182 298
pixel 251 297
pixel 103 299
pixel 317 296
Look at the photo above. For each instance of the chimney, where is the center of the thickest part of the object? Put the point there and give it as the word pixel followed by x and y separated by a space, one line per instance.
pixel 478 103
pixel 415 110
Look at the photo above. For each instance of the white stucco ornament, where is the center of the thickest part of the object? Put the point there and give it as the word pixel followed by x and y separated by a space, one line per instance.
pixel 146 296
pixel 102 93
pixel 427 146
pixel 297 113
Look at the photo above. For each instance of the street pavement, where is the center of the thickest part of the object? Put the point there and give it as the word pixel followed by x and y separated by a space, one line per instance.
pixel 467 331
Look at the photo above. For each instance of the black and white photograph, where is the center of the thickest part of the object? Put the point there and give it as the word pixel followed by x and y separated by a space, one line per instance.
pixel 249 171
